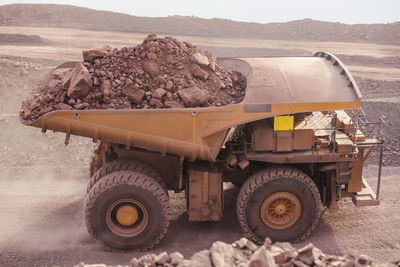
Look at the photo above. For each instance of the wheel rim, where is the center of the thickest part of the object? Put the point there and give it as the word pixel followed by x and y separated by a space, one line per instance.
pixel 280 210
pixel 127 217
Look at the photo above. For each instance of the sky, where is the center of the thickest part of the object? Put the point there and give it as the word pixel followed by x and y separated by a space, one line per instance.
pixel 261 11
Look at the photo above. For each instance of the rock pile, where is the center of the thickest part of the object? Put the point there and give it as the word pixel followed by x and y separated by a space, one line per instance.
pixel 245 253
pixel 158 73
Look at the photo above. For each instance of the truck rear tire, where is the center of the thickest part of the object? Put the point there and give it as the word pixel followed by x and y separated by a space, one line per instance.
pixel 281 203
pixel 127 210
pixel 125 165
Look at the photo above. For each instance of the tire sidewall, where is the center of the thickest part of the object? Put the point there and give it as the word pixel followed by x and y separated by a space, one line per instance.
pixel 156 217
pixel 309 209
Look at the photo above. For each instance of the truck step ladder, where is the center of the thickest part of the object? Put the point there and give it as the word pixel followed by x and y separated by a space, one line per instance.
pixel 366 197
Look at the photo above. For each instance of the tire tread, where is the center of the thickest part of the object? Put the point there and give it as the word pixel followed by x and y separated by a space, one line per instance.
pixel 131 178
pixel 268 174
pixel 124 165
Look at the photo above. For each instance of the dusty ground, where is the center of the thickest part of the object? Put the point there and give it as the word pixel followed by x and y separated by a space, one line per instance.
pixel 43 182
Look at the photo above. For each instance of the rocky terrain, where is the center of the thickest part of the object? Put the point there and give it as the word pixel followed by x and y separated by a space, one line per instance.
pixel 243 253
pixel 46 15
pixel 158 73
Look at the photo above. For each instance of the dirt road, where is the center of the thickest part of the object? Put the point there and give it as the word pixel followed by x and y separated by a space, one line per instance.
pixel 43 207
pixel 43 182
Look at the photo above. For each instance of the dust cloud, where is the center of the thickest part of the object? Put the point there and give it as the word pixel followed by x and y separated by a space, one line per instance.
pixel 42 182
pixel 39 207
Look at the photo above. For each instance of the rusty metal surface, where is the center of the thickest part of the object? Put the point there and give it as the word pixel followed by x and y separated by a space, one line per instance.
pixel 263 137
pixel 355 183
pixel 205 195
pixel 298 157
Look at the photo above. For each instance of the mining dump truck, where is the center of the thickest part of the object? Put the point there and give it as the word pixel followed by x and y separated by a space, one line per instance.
pixel 294 145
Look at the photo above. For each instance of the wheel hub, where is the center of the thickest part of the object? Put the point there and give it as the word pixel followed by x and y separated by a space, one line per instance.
pixel 280 210
pixel 127 217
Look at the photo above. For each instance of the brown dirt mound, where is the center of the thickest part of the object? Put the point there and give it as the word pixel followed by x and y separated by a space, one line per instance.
pixel 159 73
pixel 21 39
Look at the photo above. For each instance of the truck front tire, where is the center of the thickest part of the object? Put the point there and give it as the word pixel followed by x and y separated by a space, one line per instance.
pixel 127 210
pixel 281 203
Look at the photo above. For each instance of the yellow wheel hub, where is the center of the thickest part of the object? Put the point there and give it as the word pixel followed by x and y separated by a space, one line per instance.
pixel 280 210
pixel 127 215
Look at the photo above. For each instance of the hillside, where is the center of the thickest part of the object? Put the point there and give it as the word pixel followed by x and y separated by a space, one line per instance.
pixel 307 29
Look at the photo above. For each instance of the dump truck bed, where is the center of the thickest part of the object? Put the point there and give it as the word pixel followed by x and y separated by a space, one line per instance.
pixel 275 86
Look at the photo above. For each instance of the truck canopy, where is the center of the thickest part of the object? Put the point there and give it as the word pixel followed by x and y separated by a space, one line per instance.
pixel 295 80
pixel 275 86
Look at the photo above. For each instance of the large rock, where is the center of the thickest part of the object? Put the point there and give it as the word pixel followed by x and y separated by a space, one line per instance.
pixel 81 82
pixel 150 37
pixel 134 95
pixel 193 96
pixel 159 93
pixel 156 103
pixel 267 243
pixel 54 83
pixel 244 243
pixel 222 254
pixel 66 80
pixel 306 254
pixel 152 68
pixel 169 85
pixel 151 56
pixel 200 59
pixel 60 73
pixel 173 104
pixel 82 105
pixel 279 255
pixel 163 258
pixel 62 106
pixel 133 263
pixel 90 55
pixel 176 258
pixel 106 86
pixel 262 258
pixel 201 259
pixel 184 47
pixel 148 260
pixel 290 251
pixel 319 257
pixel 197 71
